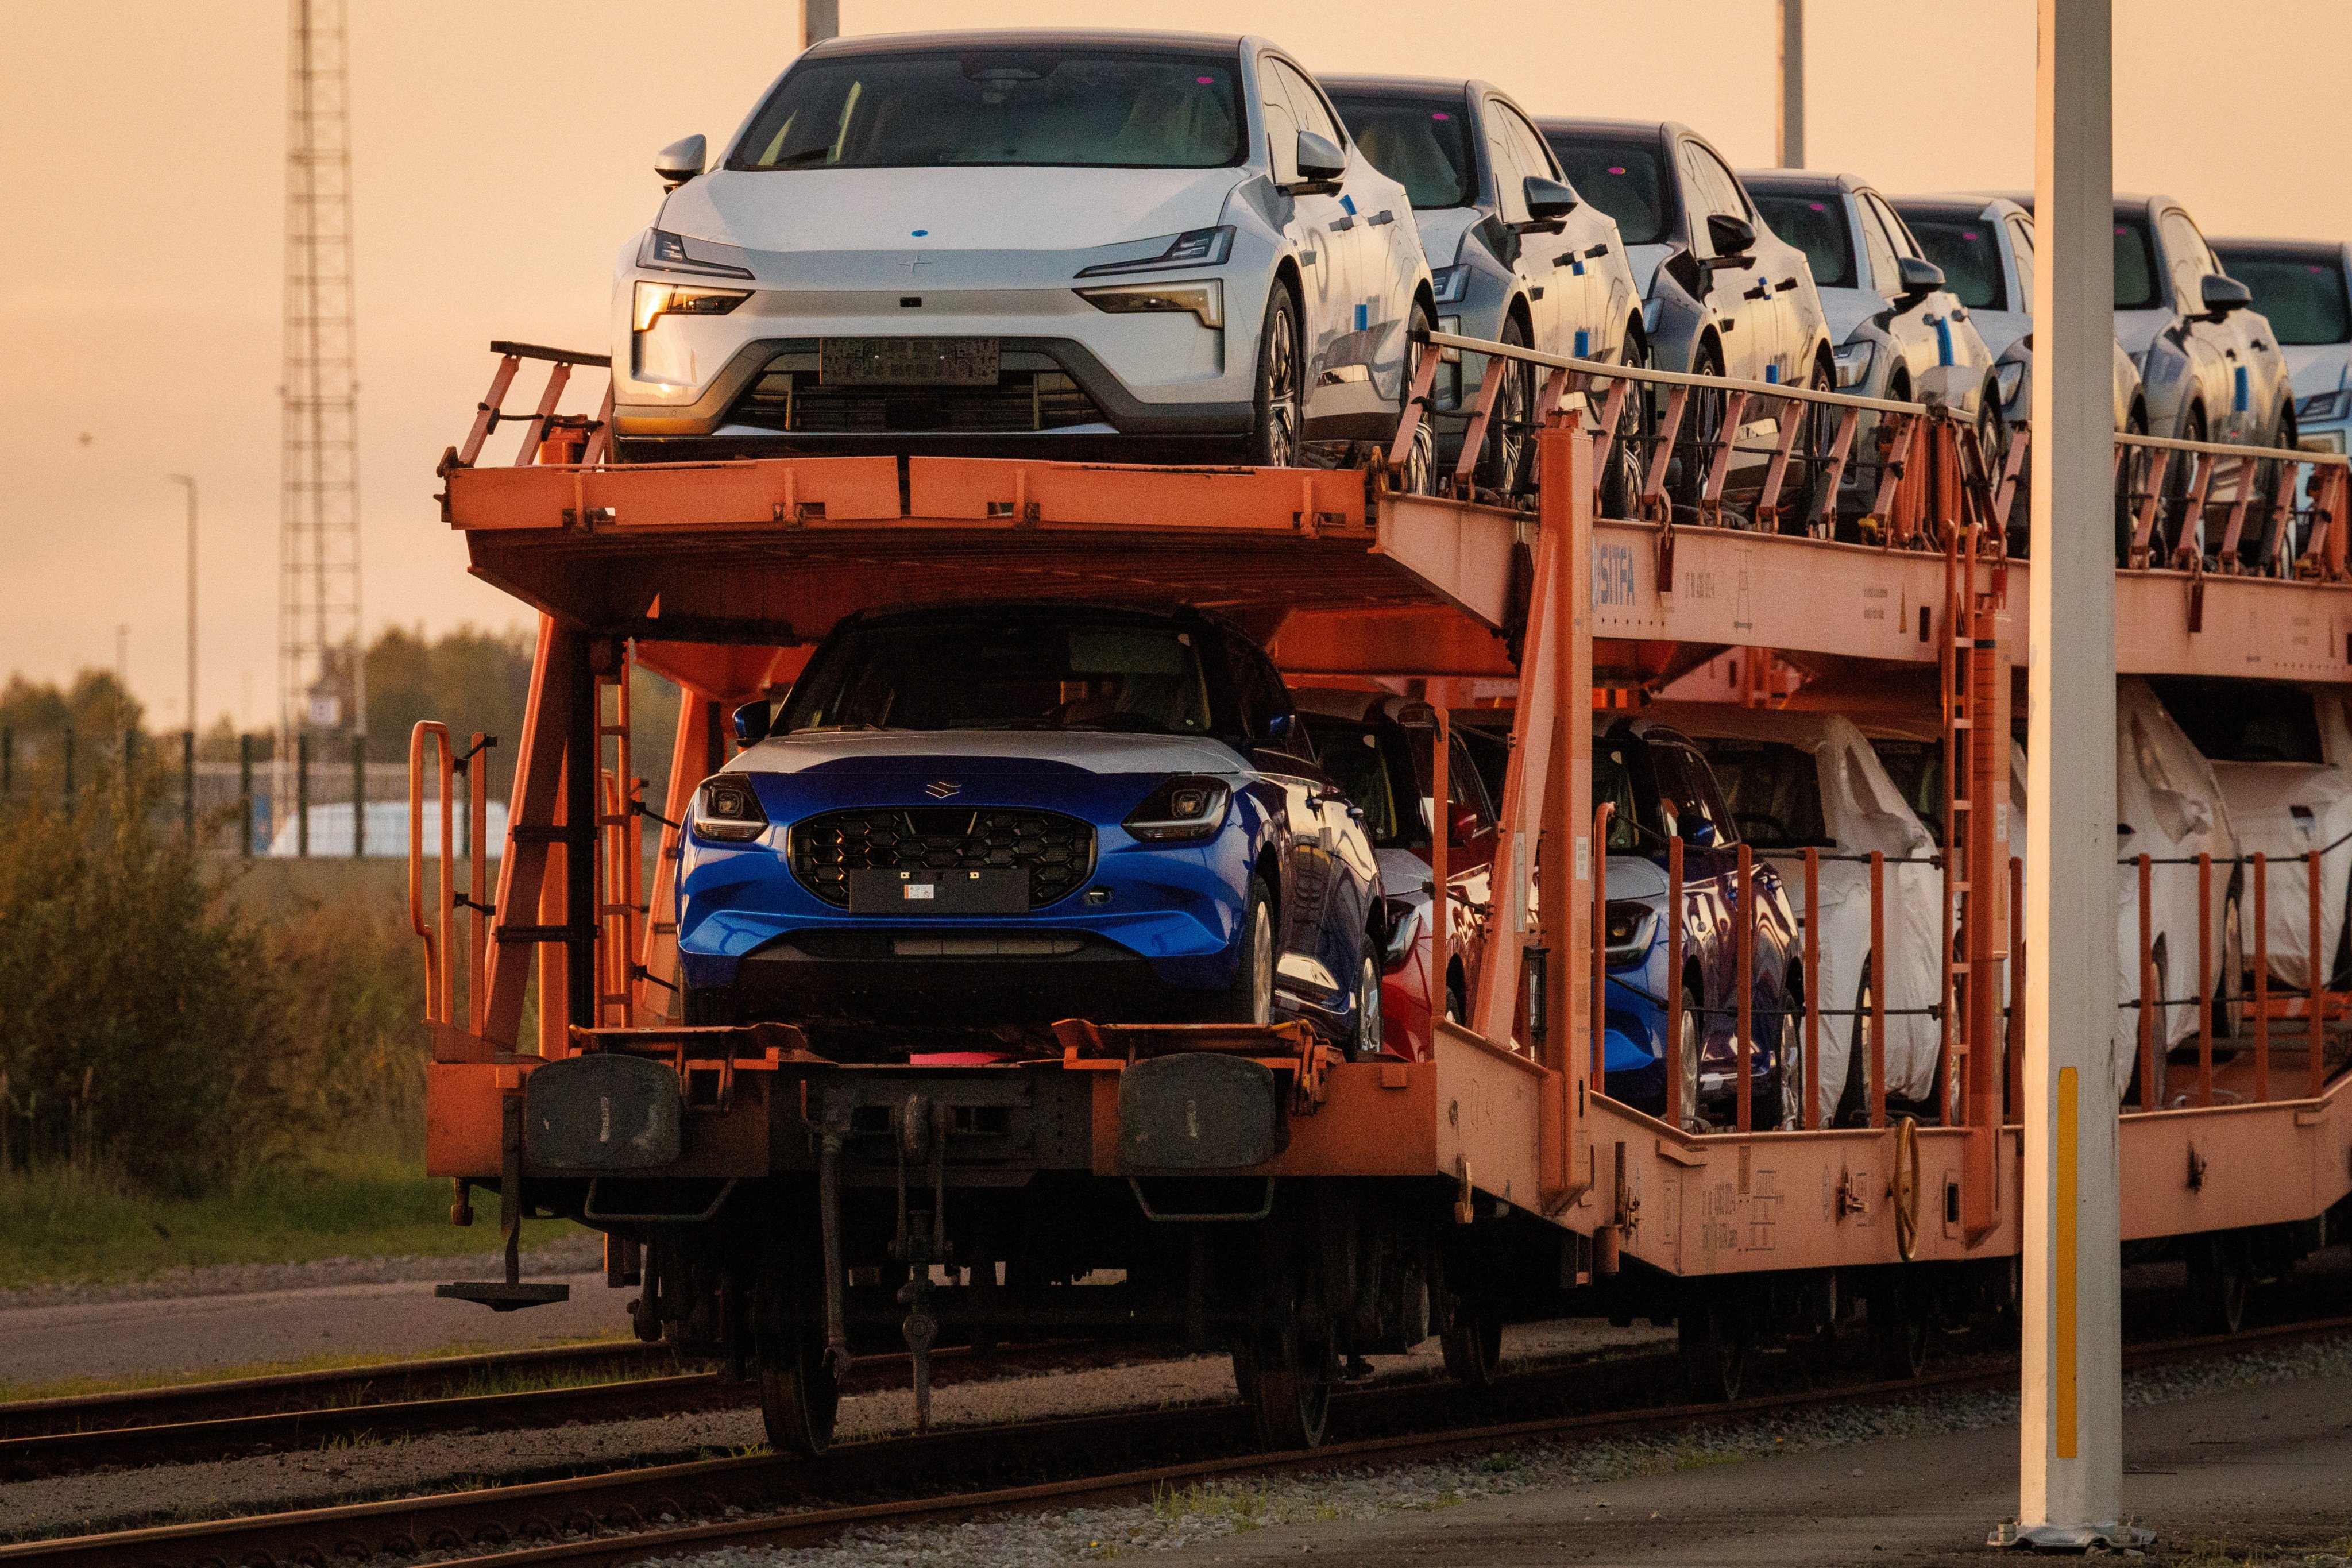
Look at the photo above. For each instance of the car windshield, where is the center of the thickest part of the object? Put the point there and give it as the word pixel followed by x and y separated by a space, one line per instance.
pixel 1352 756
pixel 1814 222
pixel 1422 143
pixel 2240 721
pixel 1621 175
pixel 1088 108
pixel 1775 790
pixel 1026 672
pixel 2135 286
pixel 2303 298
pixel 1612 785
pixel 1969 254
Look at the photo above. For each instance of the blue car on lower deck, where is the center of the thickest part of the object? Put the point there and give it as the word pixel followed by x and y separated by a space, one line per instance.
pixel 970 819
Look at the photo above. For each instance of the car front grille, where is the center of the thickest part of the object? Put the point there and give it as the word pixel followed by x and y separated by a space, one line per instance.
pixel 1031 393
pixel 1057 851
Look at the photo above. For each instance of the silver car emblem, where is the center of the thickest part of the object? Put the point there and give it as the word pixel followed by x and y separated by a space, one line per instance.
pixel 939 789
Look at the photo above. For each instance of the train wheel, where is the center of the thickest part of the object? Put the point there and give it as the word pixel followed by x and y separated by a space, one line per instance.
pixel 1898 1328
pixel 1713 1347
pixel 799 1397
pixel 2219 1272
pixel 1284 1371
pixel 1473 1345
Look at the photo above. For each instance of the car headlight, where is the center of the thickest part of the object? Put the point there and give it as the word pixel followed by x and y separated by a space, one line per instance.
pixel 1205 300
pixel 2325 405
pixel 655 300
pixel 1193 247
pixel 1405 925
pixel 1447 285
pixel 2007 379
pixel 665 252
pixel 1630 926
pixel 728 809
pixel 1187 806
pixel 2322 441
pixel 1853 365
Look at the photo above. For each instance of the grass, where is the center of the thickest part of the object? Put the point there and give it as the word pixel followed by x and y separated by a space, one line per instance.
pixel 500 1382
pixel 66 1225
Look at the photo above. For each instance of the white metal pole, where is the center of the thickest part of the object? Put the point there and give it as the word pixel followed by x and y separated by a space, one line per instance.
pixel 2069 1490
pixel 1791 117
pixel 820 20
pixel 189 482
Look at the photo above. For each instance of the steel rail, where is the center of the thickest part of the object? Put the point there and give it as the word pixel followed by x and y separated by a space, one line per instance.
pixel 1678 378
pixel 624 1501
pixel 65 1450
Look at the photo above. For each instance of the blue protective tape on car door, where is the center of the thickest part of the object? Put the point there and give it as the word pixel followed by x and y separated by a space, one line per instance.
pixel 1773 376
pixel 2243 398
pixel 1363 317
pixel 1944 340
pixel 1584 344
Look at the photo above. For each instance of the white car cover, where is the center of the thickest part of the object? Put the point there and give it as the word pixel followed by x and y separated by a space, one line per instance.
pixel 2285 811
pixel 1863 811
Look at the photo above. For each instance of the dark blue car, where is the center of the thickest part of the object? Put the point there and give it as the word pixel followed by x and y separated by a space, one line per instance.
pixel 1662 786
pixel 974 818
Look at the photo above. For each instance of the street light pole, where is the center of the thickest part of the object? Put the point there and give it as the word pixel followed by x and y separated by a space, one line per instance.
pixel 1791 117
pixel 188 481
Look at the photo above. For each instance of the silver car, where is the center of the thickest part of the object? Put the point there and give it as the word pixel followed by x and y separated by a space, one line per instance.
pixel 1516 255
pixel 2300 287
pixel 1900 331
pixel 1067 243
pixel 1722 293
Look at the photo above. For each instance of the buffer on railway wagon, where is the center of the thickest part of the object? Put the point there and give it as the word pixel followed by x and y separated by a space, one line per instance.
pixel 778 1199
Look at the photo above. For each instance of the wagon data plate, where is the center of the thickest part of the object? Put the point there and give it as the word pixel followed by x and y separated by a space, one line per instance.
pixel 908 361
pixel 992 891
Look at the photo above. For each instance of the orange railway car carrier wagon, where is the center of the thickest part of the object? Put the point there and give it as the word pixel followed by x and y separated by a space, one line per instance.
pixel 1247 1171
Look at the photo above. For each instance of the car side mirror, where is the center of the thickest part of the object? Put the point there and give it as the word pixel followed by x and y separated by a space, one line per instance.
pixel 1731 237
pixel 1283 729
pixel 751 722
pixel 1701 835
pixel 1547 201
pixel 2223 295
pixel 1320 165
pixel 681 161
pixel 1916 276
pixel 1464 826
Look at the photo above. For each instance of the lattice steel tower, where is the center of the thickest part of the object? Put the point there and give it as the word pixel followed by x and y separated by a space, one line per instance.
pixel 321 681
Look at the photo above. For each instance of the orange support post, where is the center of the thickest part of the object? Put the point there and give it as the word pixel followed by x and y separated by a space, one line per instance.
pixel 2148 1096
pixel 1878 988
pixel 1807 1117
pixel 2318 1024
pixel 2205 979
pixel 435 930
pixel 478 858
pixel 2014 1111
pixel 530 819
pixel 1745 980
pixel 1677 1114
pixel 1600 948
pixel 2262 976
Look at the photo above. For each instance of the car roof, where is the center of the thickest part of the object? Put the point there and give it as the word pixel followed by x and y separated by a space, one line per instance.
pixel 1801 180
pixel 1803 727
pixel 1947 204
pixel 1639 728
pixel 2126 201
pixel 1373 83
pixel 1036 609
pixel 1551 124
pixel 1020 38
pixel 1332 702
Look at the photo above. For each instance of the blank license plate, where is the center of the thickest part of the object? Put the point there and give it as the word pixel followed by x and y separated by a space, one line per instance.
pixel 908 361
pixel 992 891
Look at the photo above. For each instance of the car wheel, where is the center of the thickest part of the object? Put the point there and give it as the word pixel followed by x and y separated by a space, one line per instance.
pixel 1250 998
pixel 1687 1053
pixel 1621 472
pixel 1503 462
pixel 1419 476
pixel 1458 1000
pixel 1789 1064
pixel 1280 396
pixel 2131 484
pixel 1367 1041
pixel 1992 451
pixel 2230 985
pixel 1702 432
pixel 1813 444
pixel 2178 527
pixel 2269 480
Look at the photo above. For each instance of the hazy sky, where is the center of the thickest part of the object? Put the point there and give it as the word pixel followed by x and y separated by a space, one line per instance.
pixel 502 157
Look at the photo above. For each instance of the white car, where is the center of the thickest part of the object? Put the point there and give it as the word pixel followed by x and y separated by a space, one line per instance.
pixel 2283 756
pixel 1071 244
pixel 1811 780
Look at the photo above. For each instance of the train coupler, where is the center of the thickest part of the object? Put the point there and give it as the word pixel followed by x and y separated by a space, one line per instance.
pixel 922 1129
pixel 513 1293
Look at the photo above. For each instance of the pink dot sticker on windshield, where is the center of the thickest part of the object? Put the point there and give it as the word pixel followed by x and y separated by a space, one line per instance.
pixel 1206 81
pixel 1818 206
pixel 1439 114
pixel 1616 168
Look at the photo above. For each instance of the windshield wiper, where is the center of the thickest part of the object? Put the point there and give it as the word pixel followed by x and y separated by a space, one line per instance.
pixel 838 729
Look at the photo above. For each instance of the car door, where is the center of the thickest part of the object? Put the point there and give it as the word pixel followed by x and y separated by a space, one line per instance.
pixel 1913 340
pixel 1359 233
pixel 1710 881
pixel 1547 263
pixel 2218 358
pixel 1321 225
pixel 1739 291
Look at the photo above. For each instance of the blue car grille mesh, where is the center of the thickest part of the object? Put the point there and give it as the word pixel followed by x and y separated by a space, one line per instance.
pixel 1057 851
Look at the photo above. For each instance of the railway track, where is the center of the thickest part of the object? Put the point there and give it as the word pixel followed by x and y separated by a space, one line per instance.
pixel 625 1382
pixel 629 1515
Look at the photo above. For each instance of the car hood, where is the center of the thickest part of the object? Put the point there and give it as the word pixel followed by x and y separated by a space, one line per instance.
pixel 982 752
pixel 2317 367
pixel 2138 329
pixel 1442 230
pixel 1644 260
pixel 1635 877
pixel 1847 309
pixel 945 209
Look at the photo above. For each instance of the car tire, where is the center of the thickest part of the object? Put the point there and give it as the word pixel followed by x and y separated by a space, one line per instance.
pixel 2270 479
pixel 1853 1096
pixel 1788 1060
pixel 2132 1095
pixel 1503 459
pixel 1813 444
pixel 1366 1042
pixel 1701 433
pixel 1621 472
pixel 1249 998
pixel 1418 475
pixel 2174 523
pixel 1689 1039
pixel 1279 397
pixel 2131 484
